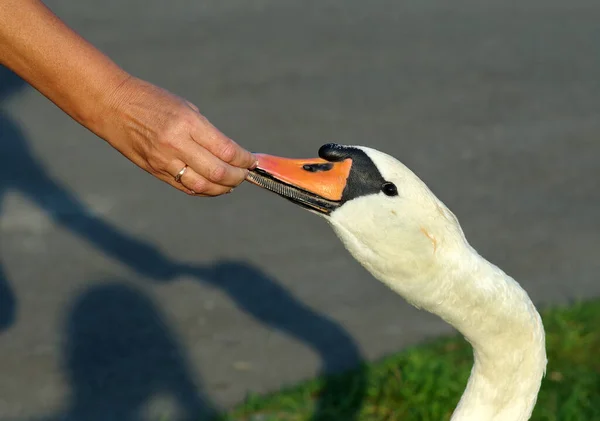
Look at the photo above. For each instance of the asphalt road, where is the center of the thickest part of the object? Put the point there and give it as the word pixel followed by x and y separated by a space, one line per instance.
pixel 121 298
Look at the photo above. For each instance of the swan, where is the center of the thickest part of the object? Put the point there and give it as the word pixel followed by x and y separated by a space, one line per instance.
pixel 394 226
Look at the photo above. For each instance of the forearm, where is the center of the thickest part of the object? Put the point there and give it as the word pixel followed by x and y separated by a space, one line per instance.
pixel 56 61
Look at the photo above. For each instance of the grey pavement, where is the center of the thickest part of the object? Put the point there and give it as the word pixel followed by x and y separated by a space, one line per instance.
pixel 122 299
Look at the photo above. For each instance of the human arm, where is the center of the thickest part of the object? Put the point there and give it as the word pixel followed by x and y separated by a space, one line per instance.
pixel 158 131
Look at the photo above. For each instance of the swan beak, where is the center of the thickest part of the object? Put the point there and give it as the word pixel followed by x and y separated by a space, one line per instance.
pixel 313 183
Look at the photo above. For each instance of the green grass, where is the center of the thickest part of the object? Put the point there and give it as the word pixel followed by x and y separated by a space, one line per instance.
pixel 424 383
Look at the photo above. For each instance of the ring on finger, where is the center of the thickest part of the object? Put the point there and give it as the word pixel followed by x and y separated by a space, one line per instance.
pixel 180 174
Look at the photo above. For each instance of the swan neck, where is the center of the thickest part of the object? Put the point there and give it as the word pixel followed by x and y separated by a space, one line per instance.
pixel 498 318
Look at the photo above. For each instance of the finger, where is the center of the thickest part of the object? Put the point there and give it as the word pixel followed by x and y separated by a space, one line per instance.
pixel 161 175
pixel 210 167
pixel 224 148
pixel 169 179
pixel 195 183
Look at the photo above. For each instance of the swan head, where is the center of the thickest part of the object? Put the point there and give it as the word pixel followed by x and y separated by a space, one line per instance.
pixel 384 214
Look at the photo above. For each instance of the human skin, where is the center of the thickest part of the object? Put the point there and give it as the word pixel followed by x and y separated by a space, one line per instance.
pixel 155 129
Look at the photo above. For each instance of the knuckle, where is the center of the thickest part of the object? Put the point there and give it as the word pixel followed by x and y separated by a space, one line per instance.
pixel 173 127
pixel 228 151
pixel 175 132
pixel 218 173
pixel 200 186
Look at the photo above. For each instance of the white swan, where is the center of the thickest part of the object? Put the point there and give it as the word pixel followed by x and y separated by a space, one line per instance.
pixel 404 236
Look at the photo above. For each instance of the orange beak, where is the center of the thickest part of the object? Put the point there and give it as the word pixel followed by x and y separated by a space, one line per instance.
pixel 314 183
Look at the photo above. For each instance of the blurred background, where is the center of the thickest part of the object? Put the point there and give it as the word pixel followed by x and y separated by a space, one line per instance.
pixel 121 298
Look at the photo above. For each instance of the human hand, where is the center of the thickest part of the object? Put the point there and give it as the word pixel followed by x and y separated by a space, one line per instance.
pixel 163 133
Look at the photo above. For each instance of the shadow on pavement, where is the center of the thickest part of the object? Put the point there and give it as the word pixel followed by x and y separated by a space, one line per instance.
pixel 266 300
pixel 119 354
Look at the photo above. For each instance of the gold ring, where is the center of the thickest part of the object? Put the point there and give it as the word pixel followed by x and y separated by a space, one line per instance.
pixel 180 174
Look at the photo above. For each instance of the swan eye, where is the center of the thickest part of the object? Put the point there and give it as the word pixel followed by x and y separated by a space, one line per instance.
pixel 389 189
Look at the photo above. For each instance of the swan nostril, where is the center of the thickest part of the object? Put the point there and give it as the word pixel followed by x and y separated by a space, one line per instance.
pixel 317 167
